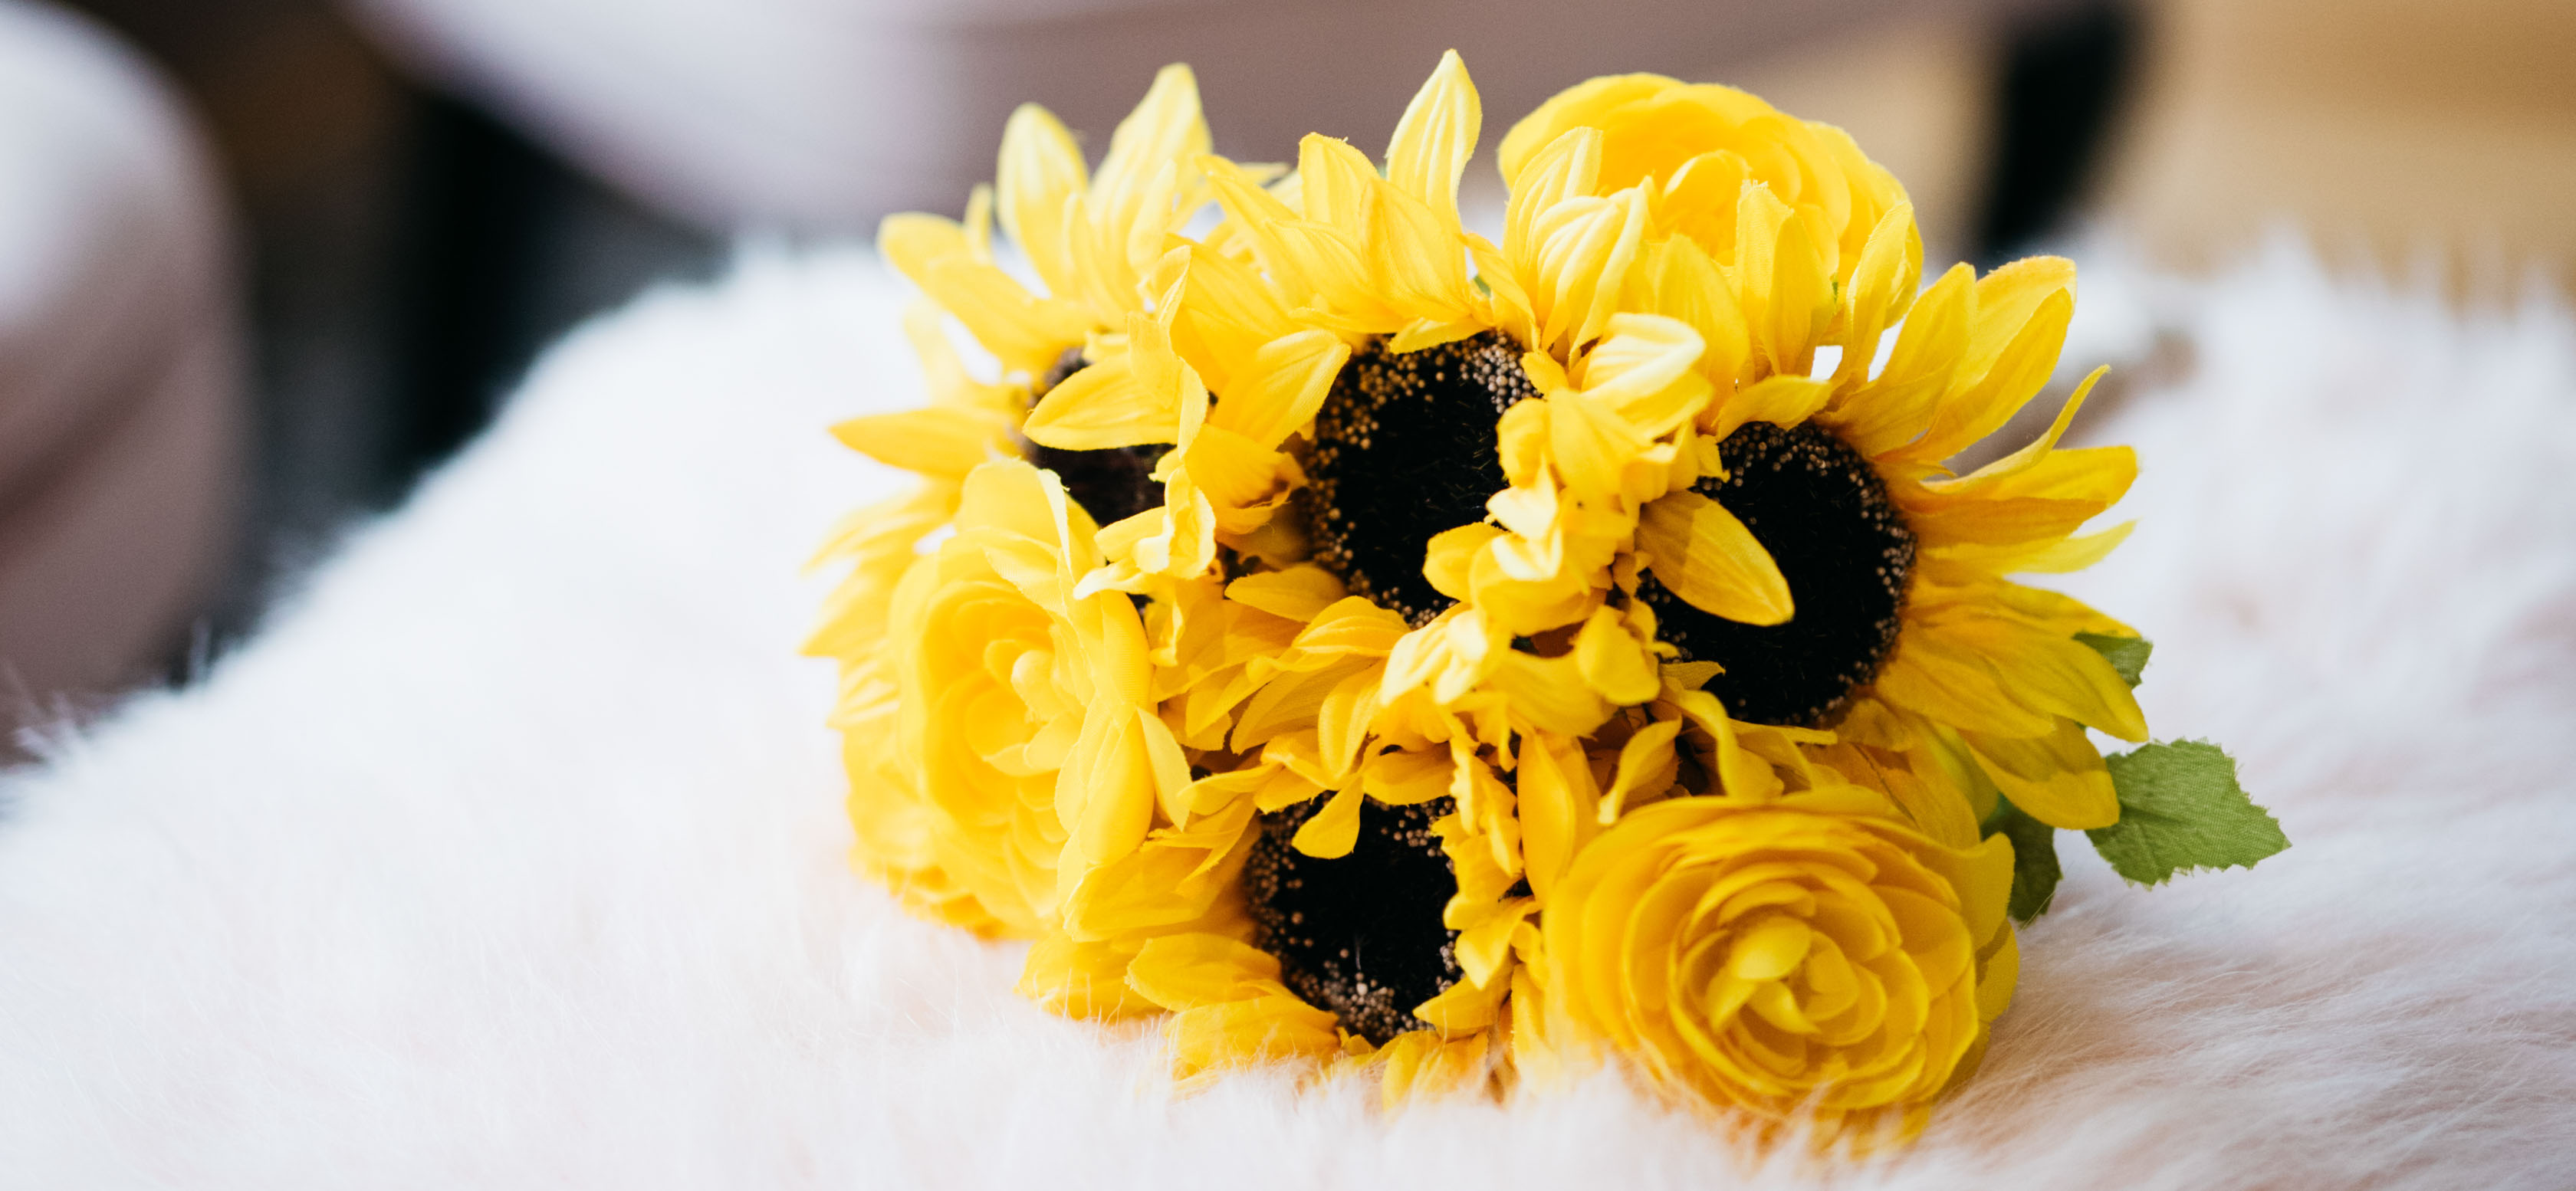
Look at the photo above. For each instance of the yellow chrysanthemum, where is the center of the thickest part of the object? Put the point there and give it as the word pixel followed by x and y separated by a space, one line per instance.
pixel 1800 956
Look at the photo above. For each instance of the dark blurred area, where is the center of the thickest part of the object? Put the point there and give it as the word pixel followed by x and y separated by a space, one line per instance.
pixel 404 254
pixel 398 203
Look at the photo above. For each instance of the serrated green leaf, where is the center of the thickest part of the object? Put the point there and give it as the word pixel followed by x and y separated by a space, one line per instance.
pixel 2180 808
pixel 2035 870
pixel 2128 655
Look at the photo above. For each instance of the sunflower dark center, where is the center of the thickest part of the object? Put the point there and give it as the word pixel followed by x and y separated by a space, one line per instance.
pixel 1360 934
pixel 1404 449
pixel 1824 515
pixel 1112 483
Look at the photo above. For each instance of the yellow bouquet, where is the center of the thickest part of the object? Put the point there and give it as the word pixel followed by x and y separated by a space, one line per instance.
pixel 1369 643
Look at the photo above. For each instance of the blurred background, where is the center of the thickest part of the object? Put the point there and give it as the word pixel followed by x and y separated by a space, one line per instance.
pixel 262 262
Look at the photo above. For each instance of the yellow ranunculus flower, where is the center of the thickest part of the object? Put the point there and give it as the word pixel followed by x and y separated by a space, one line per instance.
pixel 1026 719
pixel 1786 957
pixel 1697 145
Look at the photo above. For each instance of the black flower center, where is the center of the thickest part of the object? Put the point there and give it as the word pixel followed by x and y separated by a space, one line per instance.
pixel 1360 934
pixel 1824 515
pixel 1112 483
pixel 1404 449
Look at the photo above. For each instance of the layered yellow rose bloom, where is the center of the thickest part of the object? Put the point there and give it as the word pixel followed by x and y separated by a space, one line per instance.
pixel 1784 958
pixel 1022 722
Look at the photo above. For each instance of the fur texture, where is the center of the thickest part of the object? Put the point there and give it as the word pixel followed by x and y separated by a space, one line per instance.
pixel 510 854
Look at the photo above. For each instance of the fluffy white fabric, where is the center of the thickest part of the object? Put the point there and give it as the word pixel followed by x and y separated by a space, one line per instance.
pixel 511 853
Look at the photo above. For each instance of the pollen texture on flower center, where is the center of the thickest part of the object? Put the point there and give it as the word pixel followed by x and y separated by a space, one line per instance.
pixel 1360 934
pixel 1824 515
pixel 1113 483
pixel 1404 449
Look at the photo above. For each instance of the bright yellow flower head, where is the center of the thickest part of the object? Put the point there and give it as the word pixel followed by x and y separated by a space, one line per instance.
pixel 1024 723
pixel 1784 958
pixel 1695 145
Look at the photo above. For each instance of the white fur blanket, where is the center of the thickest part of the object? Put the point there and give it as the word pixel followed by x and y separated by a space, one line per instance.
pixel 511 853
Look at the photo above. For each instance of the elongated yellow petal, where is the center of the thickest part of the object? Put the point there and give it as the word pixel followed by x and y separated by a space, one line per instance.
pixel 938 441
pixel 1948 682
pixel 1165 133
pixel 2008 298
pixel 1040 170
pixel 1974 409
pixel 1780 400
pixel 2059 778
pixel 1557 798
pixel 1880 292
pixel 1298 593
pixel 2045 672
pixel 1897 407
pixel 1334 178
pixel 1436 137
pixel 1103 406
pixel 2040 558
pixel 2038 449
pixel 1708 558
pixel 1786 287
pixel 1416 256
pixel 1026 332
pixel 1186 970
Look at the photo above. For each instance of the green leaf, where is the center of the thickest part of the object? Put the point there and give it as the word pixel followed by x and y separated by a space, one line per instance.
pixel 2035 870
pixel 2180 808
pixel 2128 655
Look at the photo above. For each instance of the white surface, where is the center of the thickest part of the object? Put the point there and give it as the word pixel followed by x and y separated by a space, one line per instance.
pixel 510 856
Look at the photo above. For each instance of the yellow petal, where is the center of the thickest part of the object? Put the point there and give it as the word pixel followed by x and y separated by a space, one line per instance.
pixel 1163 134
pixel 1420 1066
pixel 1897 406
pixel 939 441
pixel 1785 285
pixel 1676 278
pixel 1783 401
pixel 1881 289
pixel 1981 400
pixel 1082 979
pixel 1298 593
pixel 1332 832
pixel 1644 368
pixel 1708 558
pixel 1283 385
pixel 1187 970
pixel 1613 662
pixel 1040 170
pixel 2059 778
pixel 1104 406
pixel 1556 801
pixel 2002 972
pixel 1436 137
